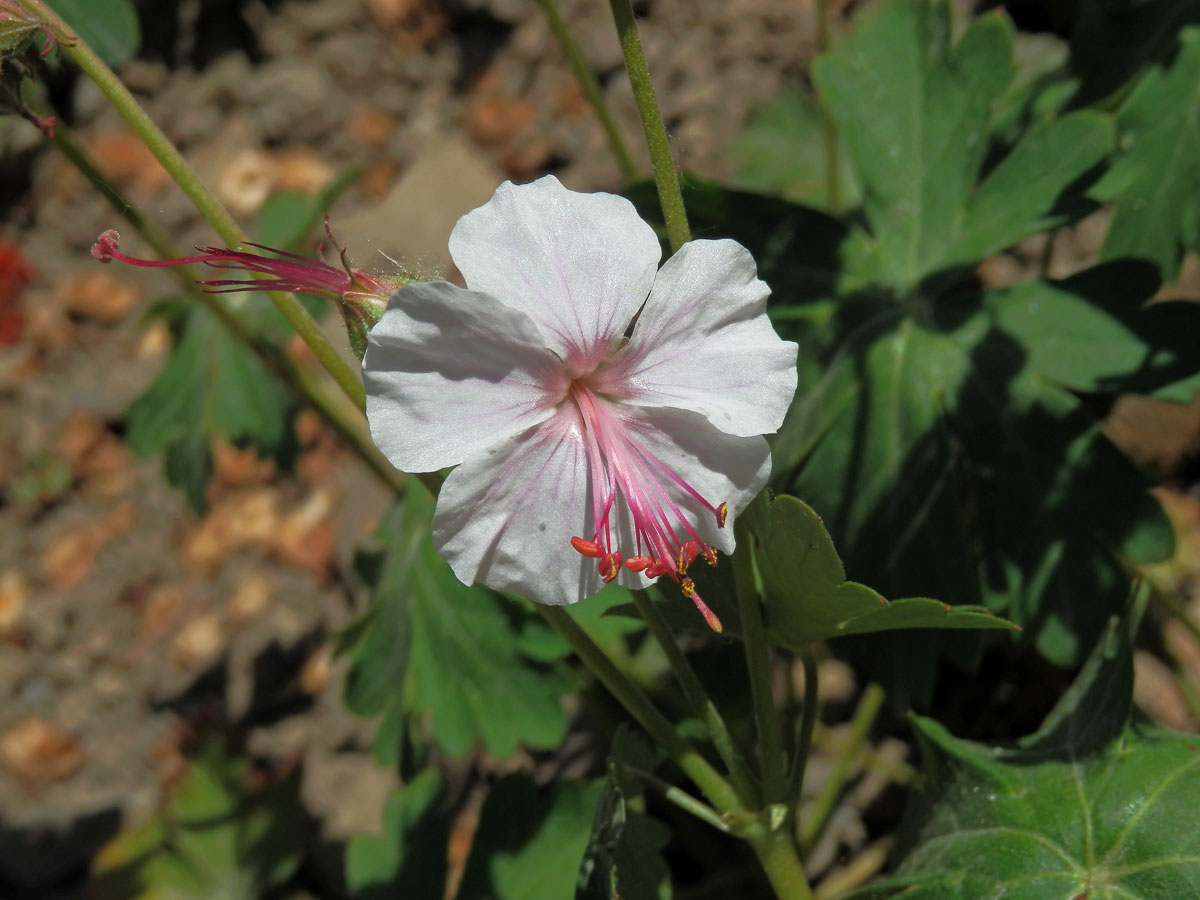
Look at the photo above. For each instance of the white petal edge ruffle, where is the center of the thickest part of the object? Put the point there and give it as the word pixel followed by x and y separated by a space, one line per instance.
pixel 450 372
pixel 704 343
pixel 505 518
pixel 578 264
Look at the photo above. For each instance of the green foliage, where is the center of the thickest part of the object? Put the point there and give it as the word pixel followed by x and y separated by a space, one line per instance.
pixel 1096 804
pixel 807 595
pixel 1155 179
pixel 914 113
pixel 529 841
pixel 781 151
pixel 459 655
pixel 951 458
pixel 216 838
pixel 409 859
pixel 211 385
pixel 623 859
pixel 110 27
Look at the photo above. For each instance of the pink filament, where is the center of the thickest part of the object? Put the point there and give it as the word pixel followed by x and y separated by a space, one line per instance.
pixel 622 470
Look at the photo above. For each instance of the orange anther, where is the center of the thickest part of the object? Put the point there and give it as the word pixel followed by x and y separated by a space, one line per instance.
pixel 638 563
pixel 609 567
pixel 722 512
pixel 657 568
pixel 587 548
pixel 687 556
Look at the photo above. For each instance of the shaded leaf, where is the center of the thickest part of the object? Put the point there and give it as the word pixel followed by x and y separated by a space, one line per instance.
pixel 110 27
pixel 806 593
pixel 952 459
pixel 410 858
pixel 215 839
pixel 529 843
pixel 456 654
pixel 623 859
pixel 1093 805
pixel 1155 179
pixel 211 385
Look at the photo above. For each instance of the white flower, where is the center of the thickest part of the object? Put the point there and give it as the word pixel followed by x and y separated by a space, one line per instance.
pixel 605 415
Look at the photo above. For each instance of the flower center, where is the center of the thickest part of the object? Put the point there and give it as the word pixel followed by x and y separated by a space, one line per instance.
pixel 622 471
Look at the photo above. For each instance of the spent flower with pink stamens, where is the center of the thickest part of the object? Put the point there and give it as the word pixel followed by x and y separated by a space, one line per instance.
pixel 360 297
pixel 605 415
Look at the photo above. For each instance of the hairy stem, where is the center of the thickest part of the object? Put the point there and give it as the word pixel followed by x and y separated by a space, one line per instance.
pixel 202 198
pixel 770 732
pixel 348 424
pixel 717 789
pixel 699 700
pixel 591 87
pixel 864 718
pixel 808 720
pixel 666 178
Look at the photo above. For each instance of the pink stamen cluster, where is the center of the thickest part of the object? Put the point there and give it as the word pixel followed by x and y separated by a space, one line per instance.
pixel 291 273
pixel 621 469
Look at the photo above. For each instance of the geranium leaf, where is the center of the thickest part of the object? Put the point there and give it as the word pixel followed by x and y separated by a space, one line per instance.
pixel 781 151
pixel 216 836
pixel 110 27
pixel 529 842
pixel 1155 179
pixel 807 595
pixel 1093 805
pixel 455 654
pixel 623 859
pixel 211 385
pixel 409 859
pixel 915 111
pixel 952 459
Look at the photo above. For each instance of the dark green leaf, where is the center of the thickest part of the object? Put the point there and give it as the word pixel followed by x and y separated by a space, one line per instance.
pixel 529 843
pixel 1155 180
pixel 410 858
pixel 457 655
pixel 110 27
pixel 952 460
pixel 1113 42
pixel 211 385
pixel 216 838
pixel 623 859
pixel 1093 805
pixel 806 592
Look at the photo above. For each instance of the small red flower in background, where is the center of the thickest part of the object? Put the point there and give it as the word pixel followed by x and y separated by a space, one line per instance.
pixel 15 275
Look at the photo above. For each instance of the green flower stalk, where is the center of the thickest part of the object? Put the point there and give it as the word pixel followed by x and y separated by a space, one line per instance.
pixel 361 298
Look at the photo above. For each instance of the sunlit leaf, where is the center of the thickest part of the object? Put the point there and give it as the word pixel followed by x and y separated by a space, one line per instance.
pixel 1095 804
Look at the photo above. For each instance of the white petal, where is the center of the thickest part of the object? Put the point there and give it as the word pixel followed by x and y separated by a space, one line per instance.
pixel 449 372
pixel 720 467
pixel 506 518
pixel 579 265
pixel 703 342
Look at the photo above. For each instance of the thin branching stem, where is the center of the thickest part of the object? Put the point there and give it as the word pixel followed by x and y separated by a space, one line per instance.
pixel 699 700
pixel 202 198
pixel 860 725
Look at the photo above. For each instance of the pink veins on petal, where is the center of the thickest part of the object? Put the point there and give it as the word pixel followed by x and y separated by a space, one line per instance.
pixel 621 469
pixel 291 272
